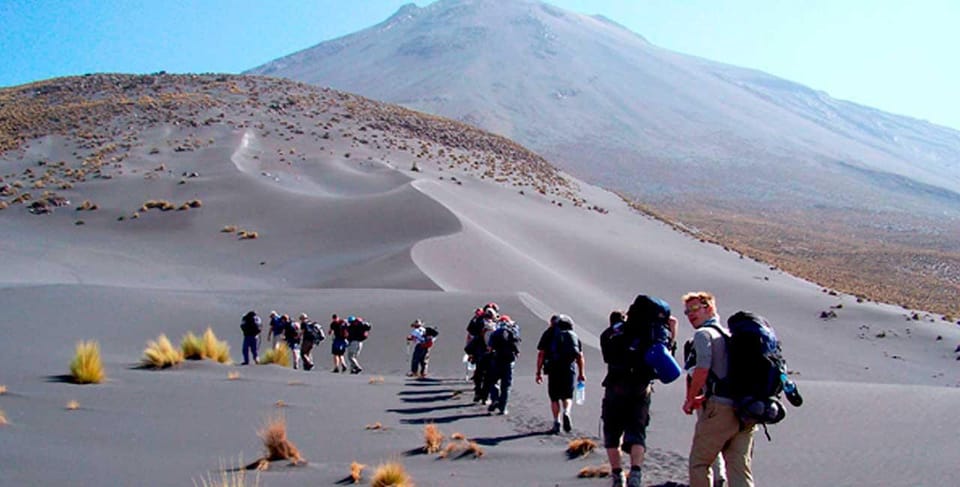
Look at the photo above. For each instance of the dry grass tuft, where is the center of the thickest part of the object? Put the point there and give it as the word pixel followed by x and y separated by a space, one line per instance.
pixel 356 471
pixel 432 438
pixel 3 418
pixel 214 348
pixel 206 347
pixel 580 447
pixel 278 447
pixel 245 235
pixel 160 353
pixel 280 404
pixel 475 449
pixel 233 375
pixel 376 380
pixel 280 356
pixel 191 346
pixel 461 448
pixel 86 366
pixel 3 390
pixel 228 477
pixel 229 229
pixel 594 471
pixel 72 405
pixel 375 426
pixel 391 474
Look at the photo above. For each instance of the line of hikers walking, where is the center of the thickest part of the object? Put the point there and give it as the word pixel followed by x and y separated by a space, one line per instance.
pixel 735 374
pixel 303 335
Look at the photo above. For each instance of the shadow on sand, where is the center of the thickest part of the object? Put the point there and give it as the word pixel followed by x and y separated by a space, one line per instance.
pixel 443 419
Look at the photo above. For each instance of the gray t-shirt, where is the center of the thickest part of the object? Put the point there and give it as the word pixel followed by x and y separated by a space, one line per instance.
pixel 711 352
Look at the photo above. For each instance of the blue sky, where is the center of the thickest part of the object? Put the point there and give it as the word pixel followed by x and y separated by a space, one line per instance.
pixel 898 56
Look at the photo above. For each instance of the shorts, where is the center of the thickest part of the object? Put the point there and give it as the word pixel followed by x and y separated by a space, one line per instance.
pixel 560 384
pixel 338 347
pixel 626 413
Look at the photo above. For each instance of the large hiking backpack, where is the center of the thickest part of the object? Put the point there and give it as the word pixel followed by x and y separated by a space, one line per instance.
pixel 648 324
pixel 504 343
pixel 564 344
pixel 250 324
pixel 313 332
pixel 429 331
pixel 358 330
pixel 755 369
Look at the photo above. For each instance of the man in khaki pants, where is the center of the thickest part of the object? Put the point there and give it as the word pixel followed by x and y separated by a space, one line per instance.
pixel 718 429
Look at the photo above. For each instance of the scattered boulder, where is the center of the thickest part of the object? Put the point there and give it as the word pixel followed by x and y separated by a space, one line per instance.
pixel 828 315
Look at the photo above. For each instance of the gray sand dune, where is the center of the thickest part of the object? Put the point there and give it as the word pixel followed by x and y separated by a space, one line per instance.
pixel 364 235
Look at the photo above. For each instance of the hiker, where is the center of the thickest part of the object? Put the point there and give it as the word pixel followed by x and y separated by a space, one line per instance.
pixel 628 385
pixel 477 350
pixel 689 363
pixel 504 346
pixel 558 350
pixel 312 335
pixel 291 336
pixel 276 329
pixel 719 429
pixel 338 330
pixel 423 338
pixel 357 332
pixel 251 328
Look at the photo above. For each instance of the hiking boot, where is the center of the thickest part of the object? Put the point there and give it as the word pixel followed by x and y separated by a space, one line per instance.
pixel 491 408
pixel 336 370
pixel 635 479
pixel 504 411
pixel 619 480
pixel 556 428
pixel 567 426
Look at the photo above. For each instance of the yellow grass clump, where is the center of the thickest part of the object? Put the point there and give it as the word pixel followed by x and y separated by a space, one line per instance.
pixel 374 426
pixel 580 447
pixel 3 418
pixel 594 471
pixel 206 347
pixel 229 229
pixel 432 438
pixel 356 471
pixel 3 390
pixel 233 476
pixel 214 348
pixel 246 235
pixel 457 436
pixel 391 474
pixel 233 375
pixel 275 442
pixel 86 367
pixel 72 405
pixel 279 356
pixel 160 353
pixel 376 380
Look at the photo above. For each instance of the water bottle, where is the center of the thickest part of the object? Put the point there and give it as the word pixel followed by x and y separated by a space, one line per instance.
pixel 790 390
pixel 580 393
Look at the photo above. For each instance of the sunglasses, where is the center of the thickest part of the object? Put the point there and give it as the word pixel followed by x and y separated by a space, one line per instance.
pixel 693 308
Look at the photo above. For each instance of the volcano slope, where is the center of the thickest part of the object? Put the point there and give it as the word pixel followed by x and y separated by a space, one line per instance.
pixel 374 210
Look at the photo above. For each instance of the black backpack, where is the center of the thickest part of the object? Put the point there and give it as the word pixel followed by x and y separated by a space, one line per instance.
pixel 504 343
pixel 250 325
pixel 430 331
pixel 647 319
pixel 564 345
pixel 755 369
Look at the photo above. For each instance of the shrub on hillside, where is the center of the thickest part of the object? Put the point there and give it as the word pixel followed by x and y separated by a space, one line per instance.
pixel 279 356
pixel 206 347
pixel 391 474
pixel 160 353
pixel 86 367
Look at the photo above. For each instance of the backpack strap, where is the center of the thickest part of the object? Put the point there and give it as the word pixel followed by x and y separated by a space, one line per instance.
pixel 715 385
